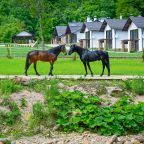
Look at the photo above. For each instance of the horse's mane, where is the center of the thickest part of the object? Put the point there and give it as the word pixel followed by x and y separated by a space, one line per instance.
pixel 80 48
pixel 54 48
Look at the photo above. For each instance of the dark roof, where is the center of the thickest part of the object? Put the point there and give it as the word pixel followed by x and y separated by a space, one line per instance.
pixel 91 26
pixel 113 23
pixel 23 34
pixel 59 31
pixel 138 21
pixel 73 27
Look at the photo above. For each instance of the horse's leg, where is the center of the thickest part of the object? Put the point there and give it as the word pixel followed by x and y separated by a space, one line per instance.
pixel 90 68
pixel 26 68
pixel 51 69
pixel 84 63
pixel 103 63
pixel 35 63
pixel 107 66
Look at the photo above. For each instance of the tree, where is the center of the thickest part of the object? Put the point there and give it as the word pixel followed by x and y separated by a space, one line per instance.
pixel 127 8
pixel 40 10
pixel 9 27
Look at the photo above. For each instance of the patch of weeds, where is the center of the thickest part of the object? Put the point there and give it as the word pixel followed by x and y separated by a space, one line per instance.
pixel 23 102
pixel 41 85
pixel 11 117
pixel 31 84
pixel 2 135
pixel 71 82
pixel 50 91
pixel 128 84
pixel 2 114
pixel 136 86
pixel 40 117
pixel 9 86
pixel 5 100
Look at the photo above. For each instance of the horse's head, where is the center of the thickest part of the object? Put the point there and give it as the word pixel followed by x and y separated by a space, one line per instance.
pixel 72 49
pixel 63 49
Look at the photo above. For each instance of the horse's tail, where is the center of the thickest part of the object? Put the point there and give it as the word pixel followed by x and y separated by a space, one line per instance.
pixel 27 61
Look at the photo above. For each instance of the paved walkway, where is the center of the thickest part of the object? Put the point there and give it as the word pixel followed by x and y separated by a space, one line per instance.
pixel 76 77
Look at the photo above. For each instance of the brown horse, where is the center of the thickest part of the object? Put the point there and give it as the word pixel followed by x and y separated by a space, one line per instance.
pixel 46 56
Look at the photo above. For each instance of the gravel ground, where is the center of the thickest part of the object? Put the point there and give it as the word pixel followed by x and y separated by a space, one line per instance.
pixel 75 138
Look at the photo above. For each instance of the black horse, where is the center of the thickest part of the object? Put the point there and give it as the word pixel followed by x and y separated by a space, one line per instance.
pixel 46 56
pixel 87 56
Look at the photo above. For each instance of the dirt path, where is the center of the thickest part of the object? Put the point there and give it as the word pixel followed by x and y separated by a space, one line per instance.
pixel 84 138
pixel 76 77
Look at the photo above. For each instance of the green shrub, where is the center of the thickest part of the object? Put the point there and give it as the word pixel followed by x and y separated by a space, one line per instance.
pixel 75 112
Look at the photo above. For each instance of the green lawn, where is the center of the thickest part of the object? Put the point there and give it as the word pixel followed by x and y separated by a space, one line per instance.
pixel 125 54
pixel 67 66
pixel 22 51
pixel 16 51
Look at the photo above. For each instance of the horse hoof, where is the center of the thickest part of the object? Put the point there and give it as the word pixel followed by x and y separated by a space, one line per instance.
pixel 108 74
pixel 91 75
pixel 50 74
pixel 101 75
pixel 38 74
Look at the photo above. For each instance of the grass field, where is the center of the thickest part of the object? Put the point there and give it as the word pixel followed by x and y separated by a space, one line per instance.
pixel 66 66
pixel 22 51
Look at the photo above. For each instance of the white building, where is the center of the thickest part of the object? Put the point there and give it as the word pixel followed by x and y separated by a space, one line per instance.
pixel 92 34
pixel 135 28
pixel 113 34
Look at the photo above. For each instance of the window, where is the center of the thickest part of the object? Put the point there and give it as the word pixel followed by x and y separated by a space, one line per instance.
pixel 88 39
pixel 109 34
pixel 109 39
pixel 134 34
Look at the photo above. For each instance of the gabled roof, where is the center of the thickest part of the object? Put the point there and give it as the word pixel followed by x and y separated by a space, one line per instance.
pixel 59 31
pixel 73 27
pixel 23 34
pixel 91 26
pixel 113 23
pixel 138 21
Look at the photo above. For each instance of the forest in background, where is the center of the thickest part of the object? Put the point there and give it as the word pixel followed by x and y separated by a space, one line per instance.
pixel 41 16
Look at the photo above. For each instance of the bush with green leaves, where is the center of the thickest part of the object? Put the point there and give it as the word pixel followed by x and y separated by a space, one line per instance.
pixel 76 112
pixel 136 86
